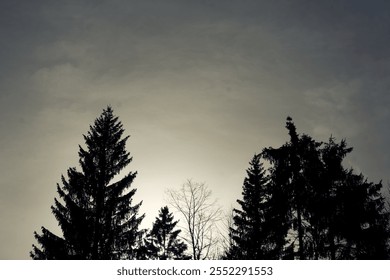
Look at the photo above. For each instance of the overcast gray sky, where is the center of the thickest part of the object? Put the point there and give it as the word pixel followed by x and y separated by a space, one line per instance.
pixel 201 86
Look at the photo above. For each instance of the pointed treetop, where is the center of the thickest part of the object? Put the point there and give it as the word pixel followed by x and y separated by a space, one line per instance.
pixel 292 131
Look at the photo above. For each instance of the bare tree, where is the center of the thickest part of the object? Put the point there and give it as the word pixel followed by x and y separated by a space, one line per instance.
pixel 201 213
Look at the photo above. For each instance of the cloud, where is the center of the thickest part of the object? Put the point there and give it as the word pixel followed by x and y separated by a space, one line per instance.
pixel 200 85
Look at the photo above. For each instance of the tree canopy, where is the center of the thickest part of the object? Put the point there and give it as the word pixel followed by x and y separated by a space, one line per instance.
pixel 95 209
pixel 307 205
pixel 298 201
pixel 163 241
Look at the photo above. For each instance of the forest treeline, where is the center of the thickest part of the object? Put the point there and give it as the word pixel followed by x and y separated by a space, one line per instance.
pixel 298 202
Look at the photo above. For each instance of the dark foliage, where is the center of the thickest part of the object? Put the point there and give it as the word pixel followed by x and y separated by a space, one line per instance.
pixel 332 212
pixel 163 242
pixel 306 205
pixel 252 235
pixel 95 212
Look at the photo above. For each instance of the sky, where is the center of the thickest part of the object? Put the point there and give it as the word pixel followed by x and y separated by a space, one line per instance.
pixel 200 87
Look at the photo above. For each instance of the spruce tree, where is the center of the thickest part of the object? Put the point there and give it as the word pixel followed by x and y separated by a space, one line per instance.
pixel 163 242
pixel 250 233
pixel 361 220
pixel 332 213
pixel 289 187
pixel 95 211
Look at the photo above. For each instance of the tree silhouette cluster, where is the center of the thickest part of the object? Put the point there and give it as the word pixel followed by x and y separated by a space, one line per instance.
pixel 304 205
pixel 96 213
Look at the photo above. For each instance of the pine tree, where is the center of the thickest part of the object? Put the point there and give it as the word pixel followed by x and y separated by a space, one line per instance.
pixel 163 242
pixel 331 212
pixel 326 207
pixel 250 234
pixel 289 186
pixel 95 210
pixel 361 221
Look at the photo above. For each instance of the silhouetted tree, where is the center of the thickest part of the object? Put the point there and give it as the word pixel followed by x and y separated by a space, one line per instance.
pixel 290 178
pixel 332 213
pixel 278 214
pixel 361 222
pixel 96 215
pixel 200 213
pixel 250 232
pixel 325 207
pixel 163 240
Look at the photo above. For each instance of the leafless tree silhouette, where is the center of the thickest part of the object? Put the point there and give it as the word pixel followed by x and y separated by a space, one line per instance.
pixel 193 200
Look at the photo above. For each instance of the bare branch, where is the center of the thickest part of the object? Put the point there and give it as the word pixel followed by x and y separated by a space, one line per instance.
pixel 193 201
